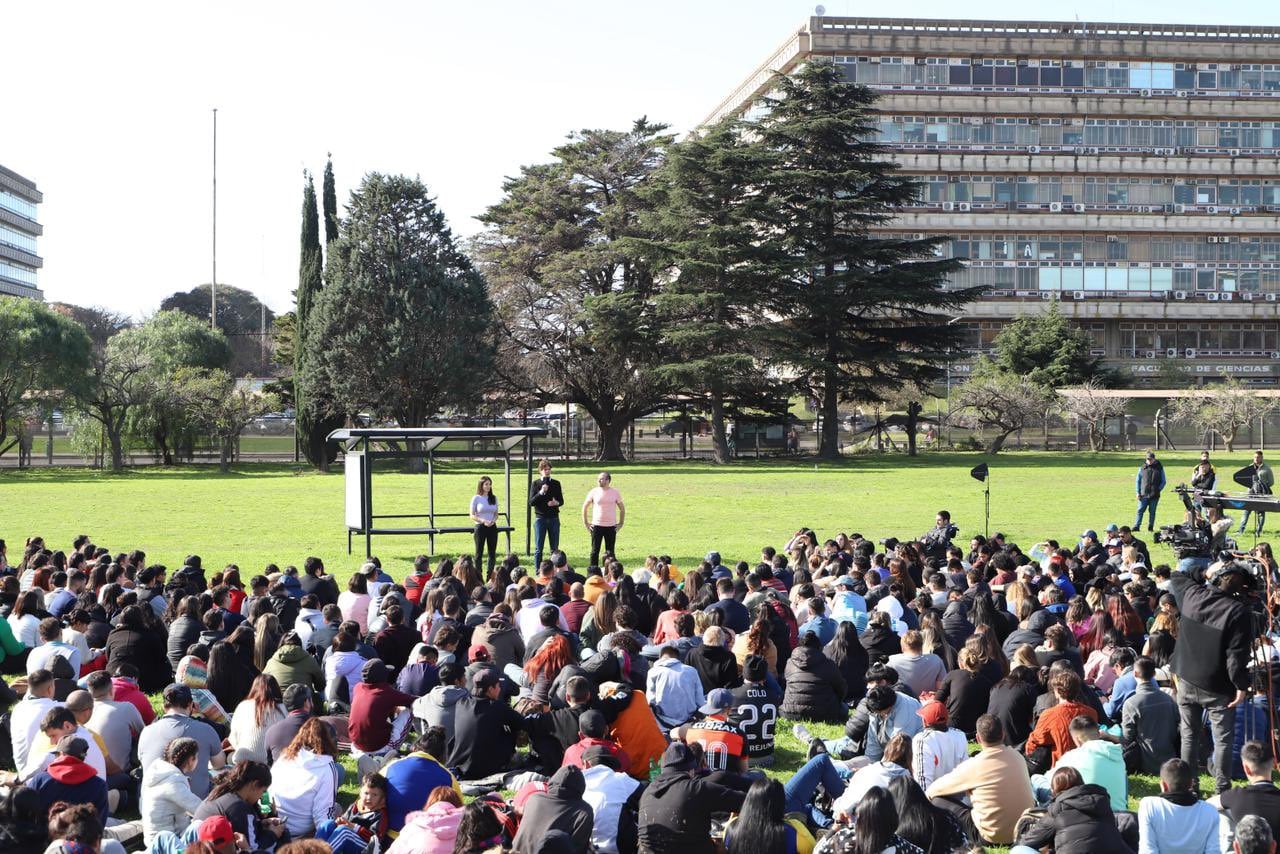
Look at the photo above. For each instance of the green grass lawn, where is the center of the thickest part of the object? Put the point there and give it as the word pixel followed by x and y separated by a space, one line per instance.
pixel 261 514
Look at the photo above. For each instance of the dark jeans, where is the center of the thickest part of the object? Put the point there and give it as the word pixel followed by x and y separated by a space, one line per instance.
pixel 1148 505
pixel 606 533
pixel 800 789
pixel 486 535
pixel 963 814
pixel 1193 704
pixel 544 527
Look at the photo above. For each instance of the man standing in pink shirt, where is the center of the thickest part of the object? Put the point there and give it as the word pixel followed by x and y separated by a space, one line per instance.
pixel 603 513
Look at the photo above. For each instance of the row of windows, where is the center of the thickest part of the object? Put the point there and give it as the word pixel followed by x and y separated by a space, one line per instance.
pixel 1157 248
pixel 18 274
pixel 1065 74
pixel 17 239
pixel 20 206
pixel 1144 340
pixel 1098 190
pixel 1097 132
pixel 1117 279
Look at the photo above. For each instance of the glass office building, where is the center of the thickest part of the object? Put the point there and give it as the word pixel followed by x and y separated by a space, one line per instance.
pixel 1130 172
pixel 19 262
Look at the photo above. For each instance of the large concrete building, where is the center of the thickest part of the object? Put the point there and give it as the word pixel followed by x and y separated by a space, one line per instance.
pixel 1130 172
pixel 18 232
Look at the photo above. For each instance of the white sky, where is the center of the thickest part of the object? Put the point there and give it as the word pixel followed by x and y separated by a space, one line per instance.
pixel 107 108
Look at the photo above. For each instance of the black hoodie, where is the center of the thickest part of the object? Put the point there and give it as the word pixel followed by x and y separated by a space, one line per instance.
pixel 676 810
pixel 560 808
pixel 1078 821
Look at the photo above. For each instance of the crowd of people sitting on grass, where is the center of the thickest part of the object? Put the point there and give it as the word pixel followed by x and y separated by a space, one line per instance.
pixel 981 696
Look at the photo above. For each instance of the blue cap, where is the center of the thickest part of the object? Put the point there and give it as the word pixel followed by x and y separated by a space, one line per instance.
pixel 717 701
pixel 1090 534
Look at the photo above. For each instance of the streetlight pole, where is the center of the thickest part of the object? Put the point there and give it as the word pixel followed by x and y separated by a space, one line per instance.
pixel 949 349
pixel 213 283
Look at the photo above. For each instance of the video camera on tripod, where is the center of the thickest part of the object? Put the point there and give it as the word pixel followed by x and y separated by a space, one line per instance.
pixel 1191 539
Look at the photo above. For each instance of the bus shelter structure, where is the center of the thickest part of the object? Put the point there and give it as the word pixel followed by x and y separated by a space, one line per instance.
pixel 364 446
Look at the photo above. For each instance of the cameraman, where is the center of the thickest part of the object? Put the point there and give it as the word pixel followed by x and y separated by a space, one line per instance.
pixel 937 539
pixel 1211 659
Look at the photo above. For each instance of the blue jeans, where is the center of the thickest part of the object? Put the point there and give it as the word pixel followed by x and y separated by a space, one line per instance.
pixel 818 771
pixel 544 527
pixel 1148 505
pixel 1187 564
pixel 1259 521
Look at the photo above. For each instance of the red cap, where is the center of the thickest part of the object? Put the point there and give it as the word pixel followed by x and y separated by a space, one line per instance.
pixel 216 829
pixel 933 713
pixel 478 652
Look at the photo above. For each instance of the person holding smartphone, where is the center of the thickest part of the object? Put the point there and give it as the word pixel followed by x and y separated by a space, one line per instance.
pixel 603 514
pixel 546 499
pixel 484 513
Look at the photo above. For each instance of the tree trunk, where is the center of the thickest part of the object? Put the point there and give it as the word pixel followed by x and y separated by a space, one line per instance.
pixel 998 442
pixel 913 420
pixel 1229 439
pixel 719 441
pixel 224 457
pixel 609 436
pixel 829 444
pixel 117 449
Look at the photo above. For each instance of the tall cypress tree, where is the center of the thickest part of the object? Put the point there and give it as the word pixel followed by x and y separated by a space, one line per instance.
pixel 706 226
pixel 313 424
pixel 330 196
pixel 863 313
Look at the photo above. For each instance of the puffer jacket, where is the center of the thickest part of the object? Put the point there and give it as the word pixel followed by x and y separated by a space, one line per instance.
pixel 561 807
pixel 340 665
pixel 502 640
pixel 167 800
pixel 1078 821
pixel 183 632
pixel 293 665
pixel 429 831
pixel 815 688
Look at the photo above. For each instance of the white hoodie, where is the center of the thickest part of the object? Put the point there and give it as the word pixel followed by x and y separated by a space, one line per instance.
pixel 167 800
pixel 348 664
pixel 308 619
pixel 304 790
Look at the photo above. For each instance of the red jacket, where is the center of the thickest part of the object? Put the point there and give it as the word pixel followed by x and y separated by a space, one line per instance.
pixel 573 756
pixel 1054 728
pixel 127 691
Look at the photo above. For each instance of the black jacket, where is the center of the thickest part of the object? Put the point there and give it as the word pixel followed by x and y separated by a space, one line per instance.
pixel 879 642
pixel 183 632
pixel 145 651
pixel 285 607
pixel 815 688
pixel 324 587
pixel 717 667
pixel 1014 703
pixel 1017 638
pixel 956 624
pixel 676 810
pixel 560 807
pixel 1078 821
pixel 484 737
pixel 538 501
pixel 1215 632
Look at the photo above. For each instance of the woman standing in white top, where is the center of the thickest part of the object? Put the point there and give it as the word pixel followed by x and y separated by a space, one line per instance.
pixel 484 513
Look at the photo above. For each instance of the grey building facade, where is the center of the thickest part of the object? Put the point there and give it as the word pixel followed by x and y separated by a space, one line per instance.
pixel 19 263
pixel 1129 173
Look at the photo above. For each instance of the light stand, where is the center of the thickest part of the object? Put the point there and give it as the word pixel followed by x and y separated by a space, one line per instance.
pixel 982 472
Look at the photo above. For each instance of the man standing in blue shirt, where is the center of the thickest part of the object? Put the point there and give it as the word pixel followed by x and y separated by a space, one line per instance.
pixel 1149 483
